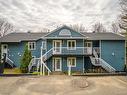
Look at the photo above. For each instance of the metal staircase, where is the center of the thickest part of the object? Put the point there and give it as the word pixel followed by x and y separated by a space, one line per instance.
pixel 96 61
pixel 39 62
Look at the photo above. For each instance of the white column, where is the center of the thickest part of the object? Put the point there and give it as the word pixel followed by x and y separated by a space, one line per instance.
pixel 69 69
pixel 41 63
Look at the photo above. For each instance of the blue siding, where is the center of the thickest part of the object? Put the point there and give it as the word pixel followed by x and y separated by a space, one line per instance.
pixel 79 64
pixel 15 51
pixel 118 48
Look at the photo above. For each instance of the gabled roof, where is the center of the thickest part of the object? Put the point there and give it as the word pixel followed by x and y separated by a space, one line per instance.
pixel 104 36
pixel 58 30
pixel 18 37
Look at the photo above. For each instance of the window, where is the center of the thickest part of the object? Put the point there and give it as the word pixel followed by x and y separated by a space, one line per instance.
pixel 44 45
pixel 71 44
pixel 88 44
pixel 71 61
pixel 31 45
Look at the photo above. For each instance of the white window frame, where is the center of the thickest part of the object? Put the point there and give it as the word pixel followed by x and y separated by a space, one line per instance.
pixel 71 48
pixel 88 43
pixel 44 47
pixel 30 43
pixel 71 61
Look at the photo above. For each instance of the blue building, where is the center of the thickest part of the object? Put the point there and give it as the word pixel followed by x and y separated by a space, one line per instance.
pixel 64 49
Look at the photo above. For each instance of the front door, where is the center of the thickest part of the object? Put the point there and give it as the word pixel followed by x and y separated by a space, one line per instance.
pixel 57 46
pixel 4 48
pixel 57 63
pixel 88 45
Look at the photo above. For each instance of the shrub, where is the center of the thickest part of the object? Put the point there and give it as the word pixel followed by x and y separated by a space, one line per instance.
pixel 25 60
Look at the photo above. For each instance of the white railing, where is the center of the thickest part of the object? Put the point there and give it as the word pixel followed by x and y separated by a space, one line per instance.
pixel 75 50
pixel 9 61
pixel 37 63
pixel 33 62
pixel 95 54
pixel 105 65
pixel 102 63
pixel 97 49
pixel 47 55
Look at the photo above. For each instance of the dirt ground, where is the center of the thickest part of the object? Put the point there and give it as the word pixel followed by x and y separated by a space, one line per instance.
pixel 63 85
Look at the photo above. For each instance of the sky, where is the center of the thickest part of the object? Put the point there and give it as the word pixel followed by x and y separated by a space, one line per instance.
pixel 36 15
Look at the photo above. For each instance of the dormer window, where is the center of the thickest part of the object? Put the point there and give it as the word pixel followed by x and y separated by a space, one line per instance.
pixel 32 45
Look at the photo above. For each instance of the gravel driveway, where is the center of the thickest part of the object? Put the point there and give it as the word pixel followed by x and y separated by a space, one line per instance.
pixel 63 85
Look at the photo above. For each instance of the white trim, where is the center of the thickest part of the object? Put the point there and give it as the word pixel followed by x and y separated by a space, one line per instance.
pixel 83 64
pixel 31 42
pixel 53 45
pixel 71 59
pixel 89 42
pixel 100 48
pixel 2 49
pixel 55 68
pixel 125 54
pixel 66 27
pixel 64 37
pixel 44 47
pixel 73 48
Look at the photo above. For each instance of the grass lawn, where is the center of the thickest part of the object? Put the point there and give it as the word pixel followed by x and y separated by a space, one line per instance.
pixel 12 71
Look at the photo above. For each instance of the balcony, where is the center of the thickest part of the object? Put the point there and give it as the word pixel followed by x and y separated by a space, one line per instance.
pixel 72 51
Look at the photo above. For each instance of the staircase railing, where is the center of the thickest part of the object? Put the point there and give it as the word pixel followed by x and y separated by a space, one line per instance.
pixel 102 63
pixel 95 54
pixel 9 61
pixel 33 62
pixel 37 62
pixel 105 65
pixel 96 61
pixel 47 55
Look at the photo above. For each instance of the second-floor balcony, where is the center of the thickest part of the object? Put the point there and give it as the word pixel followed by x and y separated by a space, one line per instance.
pixel 69 51
pixel 72 51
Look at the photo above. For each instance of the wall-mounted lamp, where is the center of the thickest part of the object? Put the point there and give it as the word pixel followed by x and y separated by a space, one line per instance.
pixel 113 54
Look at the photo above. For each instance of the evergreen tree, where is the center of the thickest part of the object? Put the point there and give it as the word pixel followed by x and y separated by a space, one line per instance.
pixel 25 60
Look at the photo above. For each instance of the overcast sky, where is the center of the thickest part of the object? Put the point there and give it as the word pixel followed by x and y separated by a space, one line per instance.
pixel 37 14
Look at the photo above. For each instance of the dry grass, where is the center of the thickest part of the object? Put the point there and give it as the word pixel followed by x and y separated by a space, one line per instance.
pixel 12 71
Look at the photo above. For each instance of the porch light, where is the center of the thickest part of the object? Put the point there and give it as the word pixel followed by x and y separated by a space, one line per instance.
pixel 113 54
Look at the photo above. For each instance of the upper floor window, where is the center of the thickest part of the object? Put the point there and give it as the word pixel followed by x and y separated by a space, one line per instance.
pixel 71 44
pixel 31 45
pixel 88 44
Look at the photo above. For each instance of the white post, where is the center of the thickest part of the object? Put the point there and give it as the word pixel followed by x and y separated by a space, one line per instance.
pixel 41 63
pixel 69 69
pixel 43 70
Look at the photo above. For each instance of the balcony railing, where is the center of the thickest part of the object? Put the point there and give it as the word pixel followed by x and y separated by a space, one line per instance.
pixel 72 51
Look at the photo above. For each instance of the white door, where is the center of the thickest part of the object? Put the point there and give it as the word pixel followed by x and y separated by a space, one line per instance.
pixel 57 63
pixel 57 46
pixel 4 49
pixel 88 45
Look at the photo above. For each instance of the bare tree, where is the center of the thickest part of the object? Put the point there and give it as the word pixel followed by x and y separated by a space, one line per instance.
pixel 98 27
pixel 45 30
pixel 78 27
pixel 5 27
pixel 115 27
pixel 123 21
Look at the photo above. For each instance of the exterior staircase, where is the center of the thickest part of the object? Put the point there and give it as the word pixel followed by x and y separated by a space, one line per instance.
pixel 38 62
pixel 96 61
pixel 10 62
